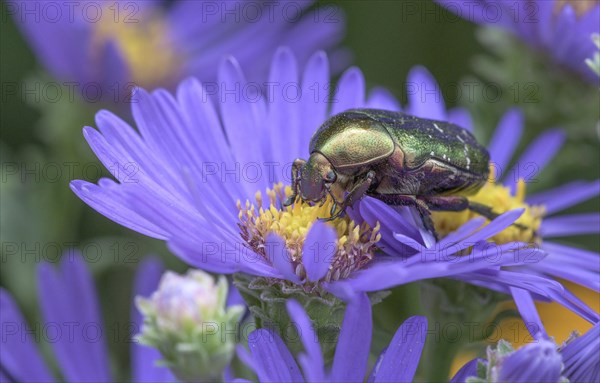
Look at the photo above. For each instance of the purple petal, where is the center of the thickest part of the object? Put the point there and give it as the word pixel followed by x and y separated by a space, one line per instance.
pixel 529 313
pixel 425 98
pixel 279 256
pixel 241 121
pixel 402 356
pixel 318 250
pixel 381 98
pixel 208 134
pixel 580 357
pixel 23 362
pixel 466 371
pixel 109 201
pixel 219 254
pixel 315 97
pixel 494 227
pixel 234 297
pixel 434 264
pixel 541 287
pixel 506 140
pixel 461 117
pixel 565 196
pixel 535 158
pixel 373 211
pixel 272 359
pixel 350 91
pixel 114 69
pixel 573 224
pixel 312 361
pixel 463 232
pixel 354 343
pixel 283 123
pixel 67 296
pixel 576 265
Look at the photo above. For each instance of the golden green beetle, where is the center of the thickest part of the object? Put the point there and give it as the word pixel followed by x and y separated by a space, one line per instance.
pixel 396 158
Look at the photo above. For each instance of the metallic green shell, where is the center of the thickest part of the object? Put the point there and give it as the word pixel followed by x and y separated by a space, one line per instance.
pixel 352 139
pixel 422 139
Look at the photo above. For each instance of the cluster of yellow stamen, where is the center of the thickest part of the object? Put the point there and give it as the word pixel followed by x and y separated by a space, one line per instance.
pixel 500 199
pixel 144 44
pixel 356 244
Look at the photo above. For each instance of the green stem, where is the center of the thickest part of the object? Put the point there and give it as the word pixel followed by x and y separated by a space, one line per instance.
pixel 437 358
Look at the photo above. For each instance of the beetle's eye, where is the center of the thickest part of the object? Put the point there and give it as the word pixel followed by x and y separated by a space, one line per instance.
pixel 330 176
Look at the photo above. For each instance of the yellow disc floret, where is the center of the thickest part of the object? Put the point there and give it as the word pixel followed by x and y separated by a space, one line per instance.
pixel 355 243
pixel 500 199
pixel 144 45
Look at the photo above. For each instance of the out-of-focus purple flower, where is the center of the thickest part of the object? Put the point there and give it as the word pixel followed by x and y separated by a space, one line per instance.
pixel 272 361
pixel 578 360
pixel 69 304
pixel 581 357
pixel 561 28
pixel 102 49
pixel 188 185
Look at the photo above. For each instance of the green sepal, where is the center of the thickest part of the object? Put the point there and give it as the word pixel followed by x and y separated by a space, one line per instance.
pixel 267 298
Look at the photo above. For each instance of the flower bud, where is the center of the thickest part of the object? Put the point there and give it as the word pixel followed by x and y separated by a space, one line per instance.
pixel 187 320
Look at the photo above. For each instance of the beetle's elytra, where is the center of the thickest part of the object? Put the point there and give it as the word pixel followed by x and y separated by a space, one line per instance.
pixel 397 158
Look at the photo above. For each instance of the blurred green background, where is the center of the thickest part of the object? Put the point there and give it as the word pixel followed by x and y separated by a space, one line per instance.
pixel 40 216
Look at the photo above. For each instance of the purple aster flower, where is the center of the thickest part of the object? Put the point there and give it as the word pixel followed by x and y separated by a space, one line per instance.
pixel 581 357
pixel 187 185
pixel 536 274
pixel 107 47
pixel 69 305
pixel 272 361
pixel 563 29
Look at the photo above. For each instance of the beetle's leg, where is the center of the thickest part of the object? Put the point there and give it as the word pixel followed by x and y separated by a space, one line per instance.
pixel 459 203
pixel 323 202
pixel 355 194
pixel 486 211
pixel 335 202
pixel 297 167
pixel 427 221
pixel 445 203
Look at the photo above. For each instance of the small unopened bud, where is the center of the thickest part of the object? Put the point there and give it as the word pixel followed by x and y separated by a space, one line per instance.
pixel 537 362
pixel 187 320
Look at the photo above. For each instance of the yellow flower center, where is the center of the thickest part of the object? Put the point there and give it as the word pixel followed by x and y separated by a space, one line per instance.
pixel 500 199
pixel 356 244
pixel 144 43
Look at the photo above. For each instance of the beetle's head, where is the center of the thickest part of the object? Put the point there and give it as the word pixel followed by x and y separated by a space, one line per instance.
pixel 317 177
